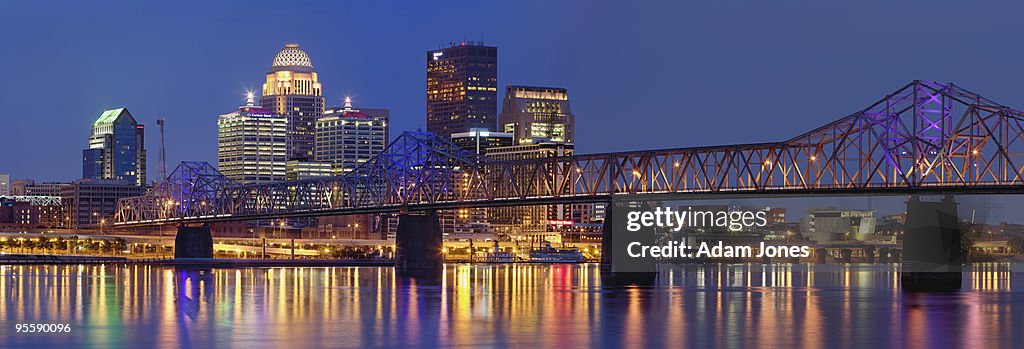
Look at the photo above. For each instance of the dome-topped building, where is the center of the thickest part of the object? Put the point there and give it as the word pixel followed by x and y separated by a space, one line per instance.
pixel 293 89
pixel 291 57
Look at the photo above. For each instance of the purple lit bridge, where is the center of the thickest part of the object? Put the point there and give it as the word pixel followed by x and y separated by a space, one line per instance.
pixel 926 137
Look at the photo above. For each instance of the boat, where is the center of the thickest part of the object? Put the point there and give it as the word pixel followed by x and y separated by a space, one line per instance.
pixel 498 256
pixel 548 254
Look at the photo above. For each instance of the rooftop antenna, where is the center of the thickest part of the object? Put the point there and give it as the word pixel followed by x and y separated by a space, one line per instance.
pixel 161 154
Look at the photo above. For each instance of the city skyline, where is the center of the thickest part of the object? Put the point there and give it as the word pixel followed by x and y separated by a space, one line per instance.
pixel 145 78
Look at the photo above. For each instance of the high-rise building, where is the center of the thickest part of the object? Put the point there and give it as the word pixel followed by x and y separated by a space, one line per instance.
pixel 293 90
pixel 348 137
pixel 537 113
pixel 5 184
pixel 117 148
pixel 462 88
pixel 251 144
pixel 480 140
pixel 534 219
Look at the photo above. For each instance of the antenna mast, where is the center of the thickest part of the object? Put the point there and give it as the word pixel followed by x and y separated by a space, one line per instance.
pixel 162 154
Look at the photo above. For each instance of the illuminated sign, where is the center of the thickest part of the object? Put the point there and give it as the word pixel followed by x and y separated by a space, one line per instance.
pixel 438 54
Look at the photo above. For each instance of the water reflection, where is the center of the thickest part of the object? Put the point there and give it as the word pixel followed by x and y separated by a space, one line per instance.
pixel 507 305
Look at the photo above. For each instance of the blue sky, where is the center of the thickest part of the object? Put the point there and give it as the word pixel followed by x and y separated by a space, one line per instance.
pixel 640 74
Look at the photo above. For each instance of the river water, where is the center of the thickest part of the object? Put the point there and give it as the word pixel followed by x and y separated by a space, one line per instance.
pixel 511 306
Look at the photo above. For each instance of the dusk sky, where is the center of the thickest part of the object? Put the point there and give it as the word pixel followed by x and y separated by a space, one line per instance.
pixel 640 75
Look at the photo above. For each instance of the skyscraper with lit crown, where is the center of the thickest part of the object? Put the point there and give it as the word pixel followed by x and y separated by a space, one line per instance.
pixel 117 148
pixel 293 90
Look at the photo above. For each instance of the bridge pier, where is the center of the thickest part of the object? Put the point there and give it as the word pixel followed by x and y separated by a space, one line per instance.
pixel 627 271
pixel 869 254
pixel 845 255
pixel 193 242
pixel 932 246
pixel 820 255
pixel 419 243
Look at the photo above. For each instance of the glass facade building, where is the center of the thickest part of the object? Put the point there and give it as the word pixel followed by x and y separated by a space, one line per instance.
pixel 462 90
pixel 116 149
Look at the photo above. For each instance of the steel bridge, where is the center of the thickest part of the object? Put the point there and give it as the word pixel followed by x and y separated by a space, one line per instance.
pixel 926 137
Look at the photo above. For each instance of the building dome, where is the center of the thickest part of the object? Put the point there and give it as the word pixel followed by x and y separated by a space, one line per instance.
pixel 291 57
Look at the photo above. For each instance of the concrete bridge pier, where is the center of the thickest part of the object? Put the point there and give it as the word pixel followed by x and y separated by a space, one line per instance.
pixel 883 255
pixel 845 255
pixel 418 244
pixel 820 255
pixel 932 246
pixel 869 254
pixel 193 242
pixel 617 267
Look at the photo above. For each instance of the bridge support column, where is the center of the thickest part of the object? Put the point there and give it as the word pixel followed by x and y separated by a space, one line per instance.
pixel 869 253
pixel 820 255
pixel 418 243
pixel 846 255
pixel 932 246
pixel 625 272
pixel 193 242
pixel 883 255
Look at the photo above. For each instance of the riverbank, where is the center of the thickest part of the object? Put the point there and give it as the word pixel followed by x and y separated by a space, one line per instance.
pixel 22 259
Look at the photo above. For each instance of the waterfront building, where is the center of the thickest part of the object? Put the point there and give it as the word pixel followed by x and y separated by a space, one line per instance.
pixel 829 224
pixel 293 90
pixel 348 137
pixel 5 184
pixel 91 202
pixel 117 148
pixel 31 213
pixel 537 113
pixel 252 144
pixel 535 220
pixel 479 140
pixel 462 92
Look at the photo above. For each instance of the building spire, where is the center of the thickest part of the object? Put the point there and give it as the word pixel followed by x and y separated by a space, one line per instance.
pixel 250 99
pixel 348 103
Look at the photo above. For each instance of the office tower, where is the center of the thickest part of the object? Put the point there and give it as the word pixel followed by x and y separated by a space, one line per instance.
pixel 5 184
pixel 117 148
pixel 251 144
pixel 347 137
pixel 537 113
pixel 480 140
pixel 462 88
pixel 534 220
pixel 293 90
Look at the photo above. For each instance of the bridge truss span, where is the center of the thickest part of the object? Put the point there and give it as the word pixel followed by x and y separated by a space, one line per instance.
pixel 924 137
